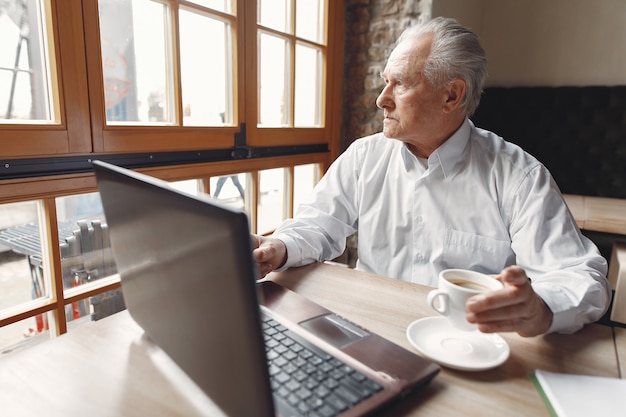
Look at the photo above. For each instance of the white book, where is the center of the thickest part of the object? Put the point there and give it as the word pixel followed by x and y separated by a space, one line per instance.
pixel 582 395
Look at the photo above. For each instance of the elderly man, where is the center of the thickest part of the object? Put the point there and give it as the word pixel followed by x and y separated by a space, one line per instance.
pixel 432 191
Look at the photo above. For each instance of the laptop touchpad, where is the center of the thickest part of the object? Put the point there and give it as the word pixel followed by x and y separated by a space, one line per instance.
pixel 335 330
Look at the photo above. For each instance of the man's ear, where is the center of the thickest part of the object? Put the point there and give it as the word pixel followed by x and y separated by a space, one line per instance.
pixel 455 93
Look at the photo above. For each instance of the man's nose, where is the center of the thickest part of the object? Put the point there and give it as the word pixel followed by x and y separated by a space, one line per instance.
pixel 384 99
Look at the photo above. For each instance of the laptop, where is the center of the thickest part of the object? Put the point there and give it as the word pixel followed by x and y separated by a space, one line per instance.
pixel 254 347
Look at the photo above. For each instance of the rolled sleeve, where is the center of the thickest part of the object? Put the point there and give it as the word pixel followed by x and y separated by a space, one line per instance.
pixel 573 299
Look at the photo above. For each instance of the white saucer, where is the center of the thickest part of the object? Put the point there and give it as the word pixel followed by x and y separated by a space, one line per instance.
pixel 439 341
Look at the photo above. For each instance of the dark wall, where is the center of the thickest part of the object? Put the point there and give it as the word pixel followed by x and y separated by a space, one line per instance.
pixel 578 133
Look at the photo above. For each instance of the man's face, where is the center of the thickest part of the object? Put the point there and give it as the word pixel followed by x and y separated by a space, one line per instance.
pixel 412 108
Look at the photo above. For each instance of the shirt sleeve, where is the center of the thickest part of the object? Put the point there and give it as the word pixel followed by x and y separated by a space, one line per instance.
pixel 566 268
pixel 322 223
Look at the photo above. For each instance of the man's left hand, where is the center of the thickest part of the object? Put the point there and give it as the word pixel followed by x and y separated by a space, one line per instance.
pixel 515 308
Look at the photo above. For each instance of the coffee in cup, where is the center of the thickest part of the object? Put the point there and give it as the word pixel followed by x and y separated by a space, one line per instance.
pixel 455 286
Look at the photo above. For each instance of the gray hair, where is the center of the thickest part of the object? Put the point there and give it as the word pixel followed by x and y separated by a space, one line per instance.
pixel 455 53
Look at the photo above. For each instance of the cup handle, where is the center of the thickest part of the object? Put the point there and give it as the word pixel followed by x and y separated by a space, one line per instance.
pixel 442 306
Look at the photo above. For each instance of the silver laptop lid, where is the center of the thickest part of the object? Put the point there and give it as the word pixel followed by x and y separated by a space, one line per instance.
pixel 188 279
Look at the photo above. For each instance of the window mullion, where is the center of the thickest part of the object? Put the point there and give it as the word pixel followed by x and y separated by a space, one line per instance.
pixel 51 259
pixel 252 199
pixel 174 52
pixel 289 192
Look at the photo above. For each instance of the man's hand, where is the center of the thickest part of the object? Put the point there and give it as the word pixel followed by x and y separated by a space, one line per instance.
pixel 269 253
pixel 515 308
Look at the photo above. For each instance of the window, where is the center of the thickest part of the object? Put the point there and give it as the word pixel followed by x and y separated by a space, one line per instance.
pixel 26 60
pixel 37 96
pixel 166 64
pixel 295 72
pixel 238 99
pixel 291 51
pixel 138 41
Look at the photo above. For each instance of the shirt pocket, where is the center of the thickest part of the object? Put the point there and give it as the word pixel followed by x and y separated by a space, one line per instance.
pixel 476 252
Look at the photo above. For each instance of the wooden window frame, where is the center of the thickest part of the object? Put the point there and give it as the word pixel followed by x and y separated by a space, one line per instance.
pixel 82 135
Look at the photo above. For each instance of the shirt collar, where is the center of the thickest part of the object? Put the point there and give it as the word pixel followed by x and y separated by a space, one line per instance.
pixel 450 152
pixel 447 155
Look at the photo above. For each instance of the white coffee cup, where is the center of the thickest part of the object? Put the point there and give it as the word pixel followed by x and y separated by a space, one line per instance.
pixel 455 287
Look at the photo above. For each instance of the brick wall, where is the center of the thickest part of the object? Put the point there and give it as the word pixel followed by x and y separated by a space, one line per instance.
pixel 371 29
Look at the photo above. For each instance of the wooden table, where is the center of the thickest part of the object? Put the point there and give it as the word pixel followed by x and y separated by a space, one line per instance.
pixel 108 368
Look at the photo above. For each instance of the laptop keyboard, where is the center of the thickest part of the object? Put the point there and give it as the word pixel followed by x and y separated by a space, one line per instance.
pixel 306 381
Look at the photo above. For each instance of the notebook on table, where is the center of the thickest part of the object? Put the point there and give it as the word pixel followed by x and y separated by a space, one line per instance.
pixel 254 347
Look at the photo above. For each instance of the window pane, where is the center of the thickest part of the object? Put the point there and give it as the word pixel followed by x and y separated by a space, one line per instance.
pixel 308 102
pixel 21 273
pixel 275 14
pixel 85 246
pixel 193 187
pixel 86 256
pixel 271 206
pixel 25 62
pixel 135 66
pixel 221 5
pixel 273 82
pixel 21 335
pixel 94 308
pixel 206 62
pixel 305 178
pixel 230 189
pixel 16 286
pixel 310 20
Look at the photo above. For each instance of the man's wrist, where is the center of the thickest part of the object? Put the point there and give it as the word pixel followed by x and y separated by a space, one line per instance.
pixel 285 257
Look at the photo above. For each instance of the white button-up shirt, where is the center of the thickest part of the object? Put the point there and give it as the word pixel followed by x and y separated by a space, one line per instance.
pixel 478 202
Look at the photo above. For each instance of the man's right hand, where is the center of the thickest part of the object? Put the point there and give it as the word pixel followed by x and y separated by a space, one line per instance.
pixel 269 253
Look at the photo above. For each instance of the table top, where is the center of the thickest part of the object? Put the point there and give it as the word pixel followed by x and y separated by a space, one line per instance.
pixel 109 368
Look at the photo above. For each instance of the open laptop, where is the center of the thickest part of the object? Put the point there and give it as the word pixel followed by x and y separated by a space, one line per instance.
pixel 189 281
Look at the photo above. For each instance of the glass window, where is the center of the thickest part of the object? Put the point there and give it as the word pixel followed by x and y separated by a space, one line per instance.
pixel 291 67
pixel 275 14
pixel 308 91
pixel 135 64
pixel 272 201
pixel 220 5
pixel 305 178
pixel 146 76
pixel 22 334
pixel 94 308
pixel 274 85
pixel 21 269
pixel 16 284
pixel 310 20
pixel 230 189
pixel 193 187
pixel 205 56
pixel 21 274
pixel 26 83
pixel 85 246
pixel 86 256
pixel 138 65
